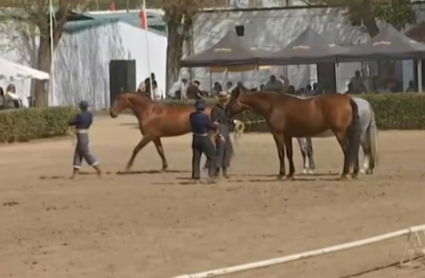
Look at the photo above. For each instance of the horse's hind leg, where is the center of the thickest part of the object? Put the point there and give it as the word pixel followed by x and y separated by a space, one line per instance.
pixel 343 142
pixel 160 149
pixel 145 140
pixel 310 156
pixel 304 153
pixel 366 157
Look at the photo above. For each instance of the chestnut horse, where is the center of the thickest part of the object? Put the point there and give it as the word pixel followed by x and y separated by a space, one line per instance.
pixel 156 120
pixel 288 116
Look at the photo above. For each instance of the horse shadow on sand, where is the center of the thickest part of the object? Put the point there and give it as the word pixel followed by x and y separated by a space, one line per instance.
pixel 82 173
pixel 268 178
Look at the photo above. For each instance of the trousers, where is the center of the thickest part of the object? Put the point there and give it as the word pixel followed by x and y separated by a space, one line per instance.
pixel 202 145
pixel 82 151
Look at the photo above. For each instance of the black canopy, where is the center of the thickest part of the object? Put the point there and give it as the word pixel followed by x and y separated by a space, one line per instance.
pixel 388 44
pixel 231 50
pixel 307 48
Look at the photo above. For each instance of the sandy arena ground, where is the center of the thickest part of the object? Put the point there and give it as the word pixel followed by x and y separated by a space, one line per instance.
pixel 158 225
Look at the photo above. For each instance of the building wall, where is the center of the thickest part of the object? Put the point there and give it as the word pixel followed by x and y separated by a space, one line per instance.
pixel 82 59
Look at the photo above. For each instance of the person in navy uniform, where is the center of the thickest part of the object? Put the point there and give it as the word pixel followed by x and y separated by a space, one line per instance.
pixel 224 148
pixel 200 125
pixel 82 123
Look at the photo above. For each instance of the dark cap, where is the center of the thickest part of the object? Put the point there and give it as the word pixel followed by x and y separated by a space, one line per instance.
pixel 200 104
pixel 83 104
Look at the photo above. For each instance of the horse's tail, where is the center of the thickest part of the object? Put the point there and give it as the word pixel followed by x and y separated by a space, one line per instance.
pixel 372 133
pixel 354 135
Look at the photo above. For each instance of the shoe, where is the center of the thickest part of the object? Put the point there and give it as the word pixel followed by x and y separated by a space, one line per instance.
pixel 224 173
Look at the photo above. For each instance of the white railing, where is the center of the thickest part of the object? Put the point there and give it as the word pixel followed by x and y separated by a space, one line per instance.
pixel 413 234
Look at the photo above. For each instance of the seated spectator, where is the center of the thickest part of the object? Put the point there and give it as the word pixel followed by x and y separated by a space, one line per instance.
pixel 291 90
pixel 412 87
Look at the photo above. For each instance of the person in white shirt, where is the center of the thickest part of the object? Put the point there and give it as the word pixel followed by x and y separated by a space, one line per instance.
pixel 157 92
pixel 178 89
pixel 11 99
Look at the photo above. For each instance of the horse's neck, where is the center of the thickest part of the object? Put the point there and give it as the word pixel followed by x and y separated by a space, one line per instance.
pixel 260 104
pixel 140 103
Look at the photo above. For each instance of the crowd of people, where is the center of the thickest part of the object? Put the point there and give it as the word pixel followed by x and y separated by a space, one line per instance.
pixel 180 89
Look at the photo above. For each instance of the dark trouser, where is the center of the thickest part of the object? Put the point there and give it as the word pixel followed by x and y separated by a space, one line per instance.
pixel 200 145
pixel 82 151
pixel 224 152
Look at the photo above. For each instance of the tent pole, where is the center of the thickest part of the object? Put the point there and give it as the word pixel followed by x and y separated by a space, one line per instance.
pixel 211 81
pixel 257 77
pixel 419 64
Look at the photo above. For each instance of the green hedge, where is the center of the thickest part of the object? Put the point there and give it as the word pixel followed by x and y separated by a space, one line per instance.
pixel 393 111
pixel 22 125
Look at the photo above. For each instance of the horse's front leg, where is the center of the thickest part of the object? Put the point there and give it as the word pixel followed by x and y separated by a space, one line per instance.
pixel 278 138
pixel 289 154
pixel 160 149
pixel 145 140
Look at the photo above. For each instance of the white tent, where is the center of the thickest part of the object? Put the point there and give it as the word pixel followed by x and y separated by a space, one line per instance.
pixel 13 71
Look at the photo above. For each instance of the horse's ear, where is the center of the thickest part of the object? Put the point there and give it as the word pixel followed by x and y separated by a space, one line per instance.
pixel 241 88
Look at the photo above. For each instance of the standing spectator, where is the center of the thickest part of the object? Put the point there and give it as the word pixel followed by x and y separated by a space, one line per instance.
pixel 178 89
pixel 357 83
pixel 274 85
pixel 2 106
pixel 157 92
pixel 11 99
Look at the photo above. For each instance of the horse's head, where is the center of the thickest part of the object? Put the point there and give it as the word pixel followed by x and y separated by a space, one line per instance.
pixel 128 100
pixel 235 106
pixel 120 103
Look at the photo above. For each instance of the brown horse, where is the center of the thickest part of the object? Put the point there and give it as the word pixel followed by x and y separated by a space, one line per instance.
pixel 156 120
pixel 289 116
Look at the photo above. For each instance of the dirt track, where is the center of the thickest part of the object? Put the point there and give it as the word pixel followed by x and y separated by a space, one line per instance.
pixel 157 225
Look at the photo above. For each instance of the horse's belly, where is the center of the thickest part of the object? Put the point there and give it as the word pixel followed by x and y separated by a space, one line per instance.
pixel 325 134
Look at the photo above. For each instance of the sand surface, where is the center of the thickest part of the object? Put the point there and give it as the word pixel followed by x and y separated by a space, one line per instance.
pixel 158 225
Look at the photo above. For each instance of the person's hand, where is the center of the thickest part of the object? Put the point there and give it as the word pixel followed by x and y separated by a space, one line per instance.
pixel 236 122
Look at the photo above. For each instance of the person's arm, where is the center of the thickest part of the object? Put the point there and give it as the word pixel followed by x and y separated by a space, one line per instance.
pixel 215 116
pixel 75 120
pixel 210 124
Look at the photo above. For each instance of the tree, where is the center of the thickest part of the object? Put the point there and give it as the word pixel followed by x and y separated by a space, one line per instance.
pixel 179 15
pixel 398 13
pixel 36 13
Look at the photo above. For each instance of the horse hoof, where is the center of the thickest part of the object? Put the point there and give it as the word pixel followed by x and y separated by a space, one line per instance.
pixel 280 177
pixel 310 172
pixel 362 171
pixel 369 172
pixel 290 178
pixel 354 177
pixel 305 171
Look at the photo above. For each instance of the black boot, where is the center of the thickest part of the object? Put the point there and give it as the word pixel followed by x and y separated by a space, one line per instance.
pixel 224 173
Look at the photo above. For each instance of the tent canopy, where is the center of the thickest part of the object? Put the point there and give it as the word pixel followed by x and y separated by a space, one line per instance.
pixel 307 48
pixel 387 44
pixel 13 71
pixel 231 50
